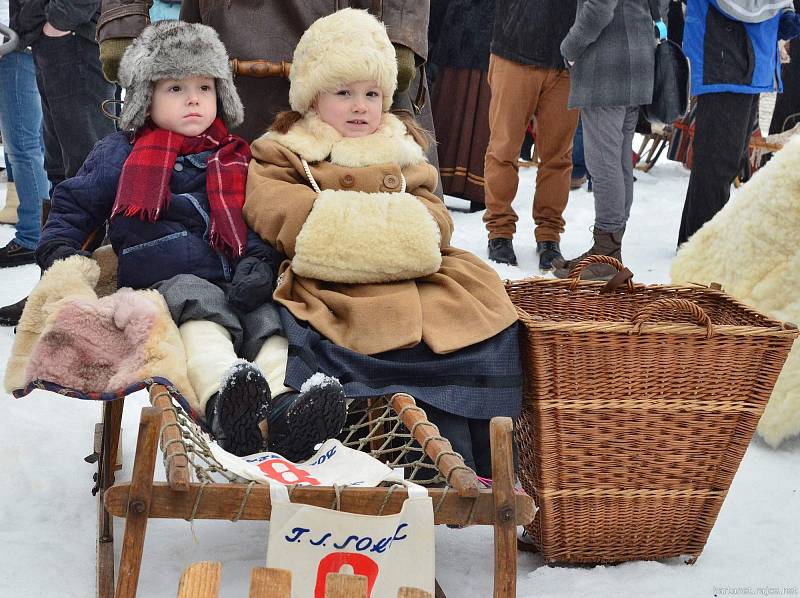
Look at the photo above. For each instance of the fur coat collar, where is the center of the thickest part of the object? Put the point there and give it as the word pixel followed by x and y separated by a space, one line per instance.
pixel 314 140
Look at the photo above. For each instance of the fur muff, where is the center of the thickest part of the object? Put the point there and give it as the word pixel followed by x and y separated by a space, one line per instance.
pixel 750 247
pixel 347 46
pixel 175 50
pixel 69 337
pixel 357 237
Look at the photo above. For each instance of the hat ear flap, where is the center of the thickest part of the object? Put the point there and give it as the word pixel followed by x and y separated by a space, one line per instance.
pixel 230 104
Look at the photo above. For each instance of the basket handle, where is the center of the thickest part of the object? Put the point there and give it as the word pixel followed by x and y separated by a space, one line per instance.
pixel 661 305
pixel 623 276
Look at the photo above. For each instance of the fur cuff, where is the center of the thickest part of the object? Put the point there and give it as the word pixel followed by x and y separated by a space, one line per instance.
pixel 357 237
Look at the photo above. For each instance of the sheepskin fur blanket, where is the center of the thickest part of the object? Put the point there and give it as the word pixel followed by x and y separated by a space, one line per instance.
pixel 750 247
pixel 72 342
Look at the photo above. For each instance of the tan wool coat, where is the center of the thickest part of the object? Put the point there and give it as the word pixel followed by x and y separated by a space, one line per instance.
pixel 369 228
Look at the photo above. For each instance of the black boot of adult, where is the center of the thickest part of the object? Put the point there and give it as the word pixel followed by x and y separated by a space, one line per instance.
pixel 10 314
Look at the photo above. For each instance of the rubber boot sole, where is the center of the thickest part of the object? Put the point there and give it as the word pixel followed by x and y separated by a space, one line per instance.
pixel 317 415
pixel 240 408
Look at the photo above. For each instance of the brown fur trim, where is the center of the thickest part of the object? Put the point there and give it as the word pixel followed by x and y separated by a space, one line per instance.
pixel 284 121
pixel 422 136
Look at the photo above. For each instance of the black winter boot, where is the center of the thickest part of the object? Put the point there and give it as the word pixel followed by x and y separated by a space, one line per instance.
pixel 298 421
pixel 605 243
pixel 501 250
pixel 235 411
pixel 10 314
pixel 549 254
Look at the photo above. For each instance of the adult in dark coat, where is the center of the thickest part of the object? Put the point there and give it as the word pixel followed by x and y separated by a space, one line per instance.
pixel 268 30
pixel 459 38
pixel 787 105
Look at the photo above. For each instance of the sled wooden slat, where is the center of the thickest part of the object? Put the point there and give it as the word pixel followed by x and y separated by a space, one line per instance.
pixel 338 585
pixel 223 501
pixel 201 580
pixel 178 473
pixel 406 592
pixel 138 504
pixel 505 527
pixel 455 472
pixel 270 582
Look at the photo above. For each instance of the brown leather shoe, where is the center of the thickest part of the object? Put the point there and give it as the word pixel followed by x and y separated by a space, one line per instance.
pixel 605 243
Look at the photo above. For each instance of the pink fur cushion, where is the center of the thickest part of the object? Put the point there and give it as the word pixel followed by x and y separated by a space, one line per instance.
pixel 95 345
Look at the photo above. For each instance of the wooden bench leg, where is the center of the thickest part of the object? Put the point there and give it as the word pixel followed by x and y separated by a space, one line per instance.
pixel 139 498
pixel 276 583
pixel 505 527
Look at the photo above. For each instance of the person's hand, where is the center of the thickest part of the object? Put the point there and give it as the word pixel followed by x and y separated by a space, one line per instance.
pixel 50 31
pixel 57 250
pixel 406 67
pixel 252 284
pixel 111 51
pixel 789 26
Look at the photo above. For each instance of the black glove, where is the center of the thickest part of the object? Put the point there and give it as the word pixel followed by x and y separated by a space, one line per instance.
pixel 789 25
pixel 252 284
pixel 48 253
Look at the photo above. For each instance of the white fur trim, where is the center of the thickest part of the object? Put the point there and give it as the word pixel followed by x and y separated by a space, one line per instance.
pixel 314 140
pixel 750 247
pixel 357 237
pixel 347 46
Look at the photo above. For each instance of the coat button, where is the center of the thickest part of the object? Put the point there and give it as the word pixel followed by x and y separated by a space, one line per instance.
pixel 178 166
pixel 347 180
pixel 390 181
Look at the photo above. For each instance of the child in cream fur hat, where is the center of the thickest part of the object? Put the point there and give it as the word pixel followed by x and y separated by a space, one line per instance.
pixel 372 292
pixel 171 186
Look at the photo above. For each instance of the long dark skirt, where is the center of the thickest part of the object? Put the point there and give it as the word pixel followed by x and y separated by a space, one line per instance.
pixel 461 115
pixel 460 391
pixel 480 381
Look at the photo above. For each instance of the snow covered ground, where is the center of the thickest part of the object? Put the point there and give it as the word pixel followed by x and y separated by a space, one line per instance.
pixel 47 515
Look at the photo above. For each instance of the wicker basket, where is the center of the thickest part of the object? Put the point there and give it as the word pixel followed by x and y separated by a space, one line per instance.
pixel 639 405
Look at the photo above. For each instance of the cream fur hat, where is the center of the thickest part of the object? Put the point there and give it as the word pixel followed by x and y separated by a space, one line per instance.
pixel 346 46
pixel 175 50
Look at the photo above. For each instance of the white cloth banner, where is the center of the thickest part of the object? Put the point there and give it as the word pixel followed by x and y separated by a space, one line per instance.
pixel 333 463
pixel 390 550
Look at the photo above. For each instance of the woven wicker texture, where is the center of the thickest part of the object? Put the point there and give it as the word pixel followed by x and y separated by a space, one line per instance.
pixel 639 405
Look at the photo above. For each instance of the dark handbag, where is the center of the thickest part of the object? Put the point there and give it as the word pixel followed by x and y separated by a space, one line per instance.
pixel 670 80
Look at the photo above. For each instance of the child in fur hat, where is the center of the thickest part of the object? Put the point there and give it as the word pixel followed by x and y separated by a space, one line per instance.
pixel 171 187
pixel 374 293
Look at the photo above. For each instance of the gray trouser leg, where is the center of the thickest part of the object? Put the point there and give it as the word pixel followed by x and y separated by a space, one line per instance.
pixel 607 137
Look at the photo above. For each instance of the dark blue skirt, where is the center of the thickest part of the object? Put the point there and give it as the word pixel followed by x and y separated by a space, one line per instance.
pixel 481 381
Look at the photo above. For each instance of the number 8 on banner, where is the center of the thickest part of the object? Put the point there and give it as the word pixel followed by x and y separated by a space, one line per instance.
pixel 286 472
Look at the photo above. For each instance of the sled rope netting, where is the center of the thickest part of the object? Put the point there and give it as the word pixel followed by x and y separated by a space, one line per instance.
pixel 372 426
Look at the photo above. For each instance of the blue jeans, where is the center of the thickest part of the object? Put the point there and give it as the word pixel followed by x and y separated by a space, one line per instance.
pixel 578 159
pixel 21 124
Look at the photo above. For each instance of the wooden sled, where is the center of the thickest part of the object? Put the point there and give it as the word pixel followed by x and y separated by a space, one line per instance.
pixel 202 580
pixel 652 146
pixel 459 500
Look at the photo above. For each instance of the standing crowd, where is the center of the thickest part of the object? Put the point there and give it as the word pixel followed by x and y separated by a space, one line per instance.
pixel 294 223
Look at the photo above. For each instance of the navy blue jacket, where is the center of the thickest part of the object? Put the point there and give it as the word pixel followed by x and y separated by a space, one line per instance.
pixel 728 55
pixel 148 252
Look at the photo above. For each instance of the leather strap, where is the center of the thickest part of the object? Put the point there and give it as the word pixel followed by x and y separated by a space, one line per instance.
pixel 126 10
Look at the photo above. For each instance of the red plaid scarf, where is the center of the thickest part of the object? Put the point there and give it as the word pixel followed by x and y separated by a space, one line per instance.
pixel 144 183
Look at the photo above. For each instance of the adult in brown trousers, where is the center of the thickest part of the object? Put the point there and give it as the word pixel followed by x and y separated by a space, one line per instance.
pixel 528 77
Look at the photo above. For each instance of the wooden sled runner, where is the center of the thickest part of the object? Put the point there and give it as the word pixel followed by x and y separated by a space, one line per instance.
pixel 392 429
